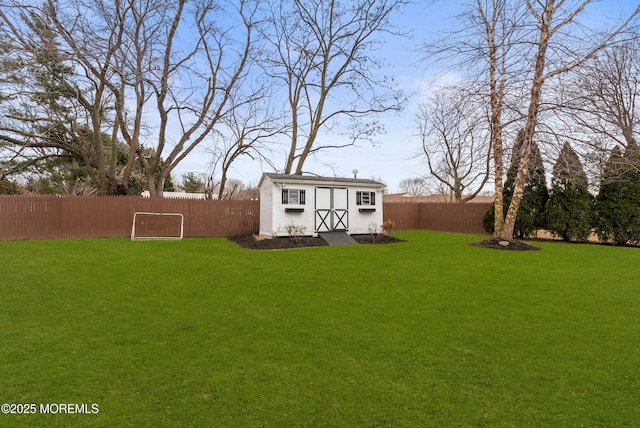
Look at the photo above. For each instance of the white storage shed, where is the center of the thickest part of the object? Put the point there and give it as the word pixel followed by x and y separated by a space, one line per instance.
pixel 319 204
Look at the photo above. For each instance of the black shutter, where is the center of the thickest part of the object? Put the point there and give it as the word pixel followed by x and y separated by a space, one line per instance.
pixel 358 198
pixel 373 198
pixel 285 196
pixel 302 197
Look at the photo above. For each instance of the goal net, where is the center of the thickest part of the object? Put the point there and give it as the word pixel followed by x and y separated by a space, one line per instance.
pixel 157 226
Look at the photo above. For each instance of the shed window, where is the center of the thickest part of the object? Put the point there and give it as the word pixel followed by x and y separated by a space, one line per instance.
pixel 365 198
pixel 293 196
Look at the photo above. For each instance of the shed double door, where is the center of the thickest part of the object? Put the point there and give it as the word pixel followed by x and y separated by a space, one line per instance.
pixel 332 209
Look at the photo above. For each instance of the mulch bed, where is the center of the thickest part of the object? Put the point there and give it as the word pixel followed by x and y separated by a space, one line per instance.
pixel 250 241
pixel 501 244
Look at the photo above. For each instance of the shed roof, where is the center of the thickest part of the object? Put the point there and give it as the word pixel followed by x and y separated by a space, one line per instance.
pixel 312 179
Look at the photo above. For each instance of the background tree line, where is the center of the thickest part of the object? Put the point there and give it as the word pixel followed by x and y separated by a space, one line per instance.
pixel 537 74
pixel 109 97
pixel 568 209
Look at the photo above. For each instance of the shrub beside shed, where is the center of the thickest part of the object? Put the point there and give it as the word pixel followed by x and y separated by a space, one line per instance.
pixel 319 204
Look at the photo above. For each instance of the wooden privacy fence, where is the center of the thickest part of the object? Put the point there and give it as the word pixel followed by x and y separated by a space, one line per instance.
pixel 445 217
pixel 54 217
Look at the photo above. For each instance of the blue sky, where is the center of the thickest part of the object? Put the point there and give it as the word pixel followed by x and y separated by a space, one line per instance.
pixel 394 158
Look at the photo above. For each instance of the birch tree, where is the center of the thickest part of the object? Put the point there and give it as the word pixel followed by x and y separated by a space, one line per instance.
pixel 483 43
pixel 553 20
pixel 524 46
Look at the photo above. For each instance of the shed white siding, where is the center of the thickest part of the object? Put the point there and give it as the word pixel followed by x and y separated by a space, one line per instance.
pixel 318 204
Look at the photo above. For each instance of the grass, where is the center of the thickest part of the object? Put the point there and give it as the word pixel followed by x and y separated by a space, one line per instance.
pixel 430 332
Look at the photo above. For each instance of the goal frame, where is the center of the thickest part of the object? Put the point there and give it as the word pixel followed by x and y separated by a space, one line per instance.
pixel 157 238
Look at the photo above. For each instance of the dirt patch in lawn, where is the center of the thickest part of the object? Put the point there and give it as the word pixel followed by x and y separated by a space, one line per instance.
pixel 501 244
pixel 254 242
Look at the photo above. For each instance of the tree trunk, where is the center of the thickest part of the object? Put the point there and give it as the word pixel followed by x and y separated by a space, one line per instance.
pixel 294 140
pixel 303 156
pixel 532 116
pixel 223 183
pixel 292 154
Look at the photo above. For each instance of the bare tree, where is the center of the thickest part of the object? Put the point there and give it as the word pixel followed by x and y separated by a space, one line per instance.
pixel 599 102
pixel 155 75
pixel 322 52
pixel 605 91
pixel 524 46
pixel 234 189
pixel 248 131
pixel 553 21
pixel 413 186
pixel 455 142
pixel 487 41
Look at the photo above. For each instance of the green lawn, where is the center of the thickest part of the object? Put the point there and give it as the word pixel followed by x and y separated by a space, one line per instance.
pixel 429 332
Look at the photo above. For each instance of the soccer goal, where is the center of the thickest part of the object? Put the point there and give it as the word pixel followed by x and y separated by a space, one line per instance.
pixel 157 226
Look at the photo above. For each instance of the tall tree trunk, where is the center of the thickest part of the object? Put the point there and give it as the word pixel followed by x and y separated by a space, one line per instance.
pixel 292 150
pixel 532 117
pixel 305 152
pixel 499 185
